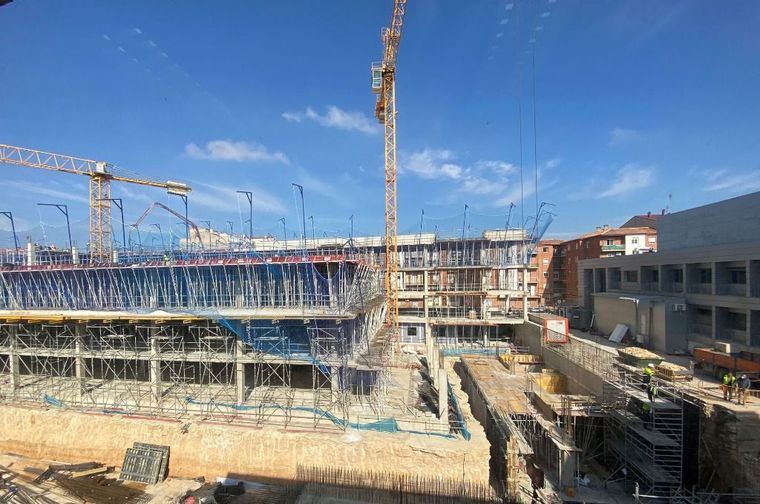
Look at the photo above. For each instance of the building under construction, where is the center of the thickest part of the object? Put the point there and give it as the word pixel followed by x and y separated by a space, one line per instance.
pixel 292 336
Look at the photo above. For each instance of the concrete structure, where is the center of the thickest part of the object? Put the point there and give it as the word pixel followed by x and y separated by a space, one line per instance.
pixel 703 286
pixel 460 291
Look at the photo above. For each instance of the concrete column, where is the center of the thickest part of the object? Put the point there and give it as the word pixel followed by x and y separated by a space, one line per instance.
pixel 525 294
pixel 155 367
pixel 567 468
pixel 240 370
pixel 443 396
pixel 714 281
pixel 13 358
pixel 748 276
pixel 714 320
pixel 80 368
pixel 660 277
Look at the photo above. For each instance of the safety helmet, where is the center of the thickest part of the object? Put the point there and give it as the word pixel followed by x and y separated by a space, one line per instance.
pixel 744 377
pixel 651 364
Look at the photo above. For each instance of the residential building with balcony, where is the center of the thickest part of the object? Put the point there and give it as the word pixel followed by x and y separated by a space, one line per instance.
pixel 604 242
pixel 701 287
pixel 461 291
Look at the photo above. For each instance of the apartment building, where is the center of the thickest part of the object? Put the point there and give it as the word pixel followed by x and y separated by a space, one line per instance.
pixel 604 242
pixel 547 259
pixel 462 291
pixel 701 287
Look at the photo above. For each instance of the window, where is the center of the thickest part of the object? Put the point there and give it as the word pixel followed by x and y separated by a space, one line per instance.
pixel 546 261
pixel 705 275
pixel 411 331
pixel 738 276
pixel 546 274
pixel 610 242
pixel 631 276
pixel 556 275
pixel 635 240
pixel 652 239
pixel 545 249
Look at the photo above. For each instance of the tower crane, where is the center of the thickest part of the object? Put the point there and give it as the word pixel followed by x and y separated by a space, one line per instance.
pixel 101 174
pixel 384 85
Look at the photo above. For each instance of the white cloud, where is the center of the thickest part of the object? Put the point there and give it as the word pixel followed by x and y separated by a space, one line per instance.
pixel 630 177
pixel 69 195
pixel 620 136
pixel 335 117
pixel 224 198
pixel 228 150
pixel 431 164
pixel 497 166
pixel 504 21
pixel 509 6
pixel 293 116
pixel 724 180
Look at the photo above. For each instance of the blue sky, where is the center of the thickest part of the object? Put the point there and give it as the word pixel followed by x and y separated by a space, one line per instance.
pixel 635 100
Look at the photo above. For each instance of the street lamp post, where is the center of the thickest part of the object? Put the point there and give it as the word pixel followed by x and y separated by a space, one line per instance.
pixel 249 196
pixel 161 233
pixel 13 228
pixel 183 195
pixel 313 237
pixel 119 204
pixel 284 234
pixel 64 209
pixel 303 214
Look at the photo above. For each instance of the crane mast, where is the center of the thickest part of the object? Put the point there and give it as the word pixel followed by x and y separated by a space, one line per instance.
pixel 384 84
pixel 101 174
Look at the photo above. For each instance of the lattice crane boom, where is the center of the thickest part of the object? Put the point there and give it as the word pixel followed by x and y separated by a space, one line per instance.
pixel 101 174
pixel 384 84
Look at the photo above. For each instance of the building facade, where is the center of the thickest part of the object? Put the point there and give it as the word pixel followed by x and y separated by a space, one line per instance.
pixel 702 287
pixel 602 243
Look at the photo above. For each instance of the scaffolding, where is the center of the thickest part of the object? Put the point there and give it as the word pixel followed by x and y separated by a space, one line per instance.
pixel 645 447
pixel 248 342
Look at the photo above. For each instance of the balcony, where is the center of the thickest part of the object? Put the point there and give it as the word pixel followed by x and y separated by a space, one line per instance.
pixel 700 288
pixel 412 287
pixel 703 329
pixel 673 287
pixel 649 286
pixel 732 290
pixel 613 248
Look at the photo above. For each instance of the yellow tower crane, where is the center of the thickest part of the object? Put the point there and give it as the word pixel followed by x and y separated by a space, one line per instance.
pixel 384 85
pixel 101 174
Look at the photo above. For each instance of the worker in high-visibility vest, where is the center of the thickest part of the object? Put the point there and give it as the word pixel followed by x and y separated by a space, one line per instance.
pixel 743 385
pixel 648 373
pixel 729 380
pixel 646 409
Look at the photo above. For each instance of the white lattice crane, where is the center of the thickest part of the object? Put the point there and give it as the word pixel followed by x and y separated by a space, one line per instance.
pixel 101 174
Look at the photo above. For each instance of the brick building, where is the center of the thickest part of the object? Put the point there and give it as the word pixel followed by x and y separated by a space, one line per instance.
pixel 557 261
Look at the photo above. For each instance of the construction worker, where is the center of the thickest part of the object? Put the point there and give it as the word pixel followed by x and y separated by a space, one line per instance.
pixel 651 391
pixel 648 373
pixel 729 381
pixel 646 409
pixel 743 385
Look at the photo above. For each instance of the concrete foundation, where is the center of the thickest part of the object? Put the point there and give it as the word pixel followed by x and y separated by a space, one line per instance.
pixel 213 450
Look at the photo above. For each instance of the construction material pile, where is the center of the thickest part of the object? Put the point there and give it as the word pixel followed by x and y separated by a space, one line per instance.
pixel 145 463
pixel 672 372
pixel 639 357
